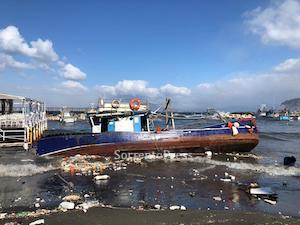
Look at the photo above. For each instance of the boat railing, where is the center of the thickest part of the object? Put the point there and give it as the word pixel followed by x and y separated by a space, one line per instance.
pixel 12 135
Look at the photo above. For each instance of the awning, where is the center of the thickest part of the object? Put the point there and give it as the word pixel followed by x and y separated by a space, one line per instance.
pixel 11 97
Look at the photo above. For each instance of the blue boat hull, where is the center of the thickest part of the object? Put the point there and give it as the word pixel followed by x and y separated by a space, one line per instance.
pixel 216 138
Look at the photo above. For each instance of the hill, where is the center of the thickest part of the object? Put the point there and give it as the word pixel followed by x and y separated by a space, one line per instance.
pixel 292 104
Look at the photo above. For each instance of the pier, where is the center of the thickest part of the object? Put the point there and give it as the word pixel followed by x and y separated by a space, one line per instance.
pixel 22 120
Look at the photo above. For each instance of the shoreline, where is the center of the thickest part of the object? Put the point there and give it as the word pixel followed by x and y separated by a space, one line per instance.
pixel 124 216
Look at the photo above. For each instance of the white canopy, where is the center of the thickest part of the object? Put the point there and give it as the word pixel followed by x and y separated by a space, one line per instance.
pixel 11 97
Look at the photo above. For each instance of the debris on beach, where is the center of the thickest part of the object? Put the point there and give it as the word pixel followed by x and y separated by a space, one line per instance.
pixel 157 206
pixel 177 207
pixel 270 201
pixel 67 205
pixel 208 154
pixel 102 177
pixel 72 198
pixel 87 204
pixel 267 191
pixel 174 207
pixel 217 198
pixel 38 222
pixel 228 178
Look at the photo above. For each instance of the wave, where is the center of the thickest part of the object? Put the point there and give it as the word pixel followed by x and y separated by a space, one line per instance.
pixel 269 169
pixel 15 170
pixel 279 135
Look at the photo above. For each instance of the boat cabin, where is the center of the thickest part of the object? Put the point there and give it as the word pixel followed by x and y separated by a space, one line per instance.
pixel 120 116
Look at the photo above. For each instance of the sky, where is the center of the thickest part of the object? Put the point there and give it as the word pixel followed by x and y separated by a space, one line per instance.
pixel 229 55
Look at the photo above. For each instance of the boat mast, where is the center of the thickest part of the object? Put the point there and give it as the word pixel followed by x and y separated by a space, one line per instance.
pixel 168 111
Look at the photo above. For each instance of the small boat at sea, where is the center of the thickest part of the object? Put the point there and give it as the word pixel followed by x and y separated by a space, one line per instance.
pixel 123 127
pixel 66 117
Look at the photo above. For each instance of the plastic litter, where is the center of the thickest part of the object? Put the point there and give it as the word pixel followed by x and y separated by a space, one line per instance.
pixel 67 205
pixel 182 207
pixel 217 198
pixel 157 206
pixel 86 205
pixel 102 177
pixel 228 178
pixel 270 201
pixel 37 222
pixel 208 154
pixel 261 191
pixel 174 207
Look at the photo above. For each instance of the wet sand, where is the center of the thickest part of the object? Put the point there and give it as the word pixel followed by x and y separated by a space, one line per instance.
pixel 99 216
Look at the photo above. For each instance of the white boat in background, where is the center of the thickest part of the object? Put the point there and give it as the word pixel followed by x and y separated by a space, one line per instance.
pixel 66 117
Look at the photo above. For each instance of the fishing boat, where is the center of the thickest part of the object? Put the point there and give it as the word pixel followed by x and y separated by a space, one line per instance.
pixel 123 127
pixel 66 117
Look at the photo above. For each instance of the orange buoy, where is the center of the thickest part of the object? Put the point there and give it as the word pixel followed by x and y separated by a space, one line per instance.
pixel 135 104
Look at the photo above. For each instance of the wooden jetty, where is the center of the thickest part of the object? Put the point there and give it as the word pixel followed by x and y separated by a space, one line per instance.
pixel 22 120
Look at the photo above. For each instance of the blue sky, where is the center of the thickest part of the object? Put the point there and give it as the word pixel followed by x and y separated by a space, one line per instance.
pixel 150 49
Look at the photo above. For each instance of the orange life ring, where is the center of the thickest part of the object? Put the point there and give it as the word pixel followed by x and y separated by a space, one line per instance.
pixel 135 104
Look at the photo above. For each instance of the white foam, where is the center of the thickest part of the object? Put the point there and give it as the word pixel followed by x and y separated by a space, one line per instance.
pixel 269 169
pixel 16 170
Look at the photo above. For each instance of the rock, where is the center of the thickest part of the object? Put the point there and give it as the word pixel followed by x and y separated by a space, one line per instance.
pixel 174 207
pixel 289 161
pixel 37 222
pixel 71 198
pixel 67 205
pixel 217 198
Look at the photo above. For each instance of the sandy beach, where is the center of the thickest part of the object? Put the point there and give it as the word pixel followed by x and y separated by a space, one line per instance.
pixel 106 216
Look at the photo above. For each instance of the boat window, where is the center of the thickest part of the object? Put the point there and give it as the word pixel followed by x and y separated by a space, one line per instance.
pixel 144 123
pixel 96 120
pixel 104 125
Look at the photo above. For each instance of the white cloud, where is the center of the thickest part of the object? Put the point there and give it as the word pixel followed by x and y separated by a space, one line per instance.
pixel 289 65
pixel 8 61
pixel 11 41
pixel 278 23
pixel 40 54
pixel 172 90
pixel 73 73
pixel 128 88
pixel 73 85
pixel 140 88
pixel 241 92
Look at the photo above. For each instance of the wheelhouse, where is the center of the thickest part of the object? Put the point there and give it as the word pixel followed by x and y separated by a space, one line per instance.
pixel 120 116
